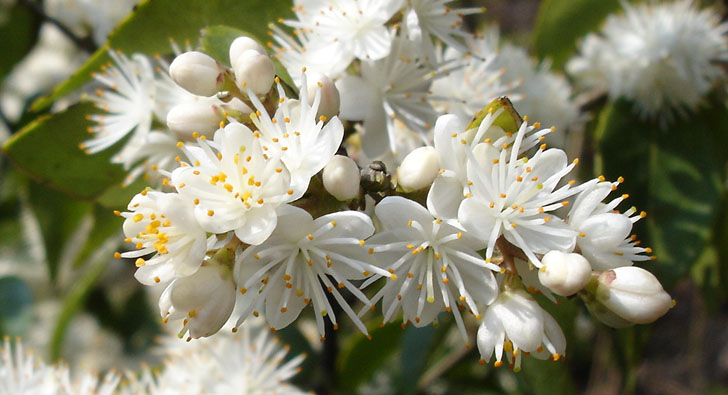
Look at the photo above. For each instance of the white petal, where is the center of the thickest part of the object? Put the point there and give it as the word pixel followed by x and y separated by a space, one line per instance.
pixel 357 98
pixel 444 197
pixel 522 320
pixel 474 216
pixel 259 224
pixel 396 212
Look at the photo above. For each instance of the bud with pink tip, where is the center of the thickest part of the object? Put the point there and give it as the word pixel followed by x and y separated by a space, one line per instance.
pixel 626 295
pixel 633 294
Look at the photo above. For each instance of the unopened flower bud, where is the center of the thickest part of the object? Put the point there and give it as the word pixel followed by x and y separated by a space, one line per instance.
pixel 633 294
pixel 418 169
pixel 187 118
pixel 564 273
pixel 255 71
pixel 341 178
pixel 197 73
pixel 242 44
pixel 329 104
pixel 207 297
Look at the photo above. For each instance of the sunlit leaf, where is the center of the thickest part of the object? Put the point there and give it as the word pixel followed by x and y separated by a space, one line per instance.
pixel 47 149
pixel 561 23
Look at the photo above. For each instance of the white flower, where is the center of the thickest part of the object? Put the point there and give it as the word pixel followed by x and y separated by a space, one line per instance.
pixel 304 142
pixel 435 265
pixel 604 235
pixel 21 372
pixel 164 224
pixel 662 56
pixel 530 280
pixel 305 52
pixel 135 96
pixel 405 141
pixel 157 153
pixel 390 89
pixel 128 105
pixel 302 260
pixel 455 145
pixel 204 300
pixel 425 18
pixel 249 361
pixel 514 197
pixel 515 323
pixel 469 88
pixel 88 383
pixel 354 27
pixel 96 18
pixel 330 101
pixel 238 187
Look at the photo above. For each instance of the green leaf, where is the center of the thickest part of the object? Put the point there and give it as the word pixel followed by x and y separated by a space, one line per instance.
pixel 19 31
pixel 59 216
pixel 361 358
pixel 152 23
pixel 47 149
pixel 215 41
pixel 105 225
pixel 119 195
pixel 709 273
pixel 674 174
pixel 561 23
pixel 74 300
pixel 416 344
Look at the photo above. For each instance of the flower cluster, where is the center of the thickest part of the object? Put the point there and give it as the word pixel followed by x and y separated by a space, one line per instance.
pixel 661 56
pixel 21 372
pixel 249 361
pixel 257 214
